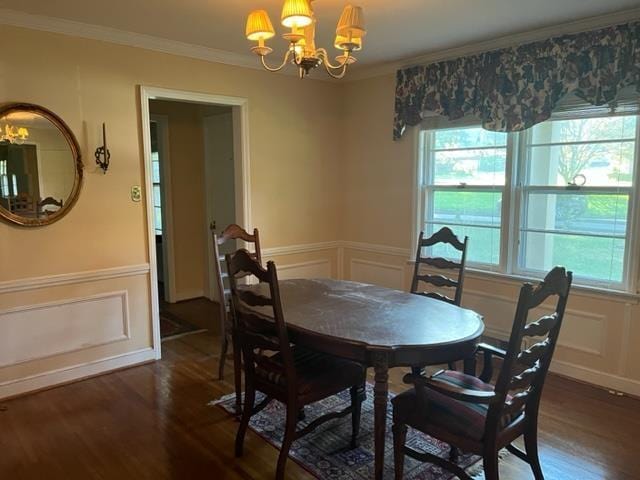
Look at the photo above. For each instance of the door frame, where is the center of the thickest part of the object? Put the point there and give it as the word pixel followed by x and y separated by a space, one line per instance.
pixel 240 112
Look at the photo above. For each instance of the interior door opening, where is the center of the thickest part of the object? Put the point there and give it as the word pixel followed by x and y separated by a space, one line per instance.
pixel 195 157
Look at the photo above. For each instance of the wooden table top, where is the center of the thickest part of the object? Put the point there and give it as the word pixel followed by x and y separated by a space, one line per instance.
pixel 374 316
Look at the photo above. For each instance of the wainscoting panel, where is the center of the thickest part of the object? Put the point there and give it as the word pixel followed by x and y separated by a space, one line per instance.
pixel 311 269
pixel 377 273
pixel 39 331
pixel 581 331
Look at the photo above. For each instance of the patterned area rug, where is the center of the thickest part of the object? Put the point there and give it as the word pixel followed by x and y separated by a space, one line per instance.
pixel 325 453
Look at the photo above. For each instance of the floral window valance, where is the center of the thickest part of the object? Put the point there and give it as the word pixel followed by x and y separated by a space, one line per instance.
pixel 515 88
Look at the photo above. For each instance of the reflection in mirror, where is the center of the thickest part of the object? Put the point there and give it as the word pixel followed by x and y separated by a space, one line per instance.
pixel 39 165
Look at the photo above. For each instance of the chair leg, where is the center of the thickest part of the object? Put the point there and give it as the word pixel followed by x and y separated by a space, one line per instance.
pixel 531 447
pixel 357 397
pixel 237 374
pixel 289 437
pixel 224 346
pixel 249 400
pixel 490 463
pixel 399 438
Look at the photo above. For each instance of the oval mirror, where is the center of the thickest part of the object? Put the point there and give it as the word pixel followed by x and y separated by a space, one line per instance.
pixel 40 165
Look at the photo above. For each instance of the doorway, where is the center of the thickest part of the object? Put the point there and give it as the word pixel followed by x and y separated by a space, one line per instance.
pixel 196 179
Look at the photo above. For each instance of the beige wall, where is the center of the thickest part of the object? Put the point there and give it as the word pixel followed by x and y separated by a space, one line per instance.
pixel 293 133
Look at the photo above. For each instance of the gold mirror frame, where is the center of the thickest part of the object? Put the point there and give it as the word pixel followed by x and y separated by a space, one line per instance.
pixel 77 157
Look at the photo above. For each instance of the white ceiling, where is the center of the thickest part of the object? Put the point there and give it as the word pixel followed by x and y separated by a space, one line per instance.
pixel 397 29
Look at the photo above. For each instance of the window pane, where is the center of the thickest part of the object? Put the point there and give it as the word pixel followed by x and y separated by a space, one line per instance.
pixel 157 218
pixel 602 164
pixel 483 247
pixel 473 167
pixel 477 208
pixel 468 138
pixel 157 197
pixel 583 130
pixel 578 213
pixel 155 171
pixel 592 257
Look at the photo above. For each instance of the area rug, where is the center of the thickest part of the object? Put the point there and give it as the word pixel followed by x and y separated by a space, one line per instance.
pixel 171 325
pixel 325 453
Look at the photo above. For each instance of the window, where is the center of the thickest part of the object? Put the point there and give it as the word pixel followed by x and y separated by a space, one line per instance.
pixel 465 184
pixel 563 192
pixel 4 179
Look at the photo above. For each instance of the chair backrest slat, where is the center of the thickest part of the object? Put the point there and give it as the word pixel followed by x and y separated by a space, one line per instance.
pixel 236 232
pixel 444 235
pixel 517 402
pixel 523 379
pixel 440 263
pixel 437 296
pixel 542 326
pixel 253 299
pixel 438 280
pixel 536 352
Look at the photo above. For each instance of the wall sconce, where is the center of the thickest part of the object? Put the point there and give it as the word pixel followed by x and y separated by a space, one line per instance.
pixel 103 155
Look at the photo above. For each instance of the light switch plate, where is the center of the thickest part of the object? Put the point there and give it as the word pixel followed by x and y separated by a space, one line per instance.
pixel 136 193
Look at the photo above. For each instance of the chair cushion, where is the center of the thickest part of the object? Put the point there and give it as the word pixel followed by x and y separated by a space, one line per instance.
pixel 455 416
pixel 315 371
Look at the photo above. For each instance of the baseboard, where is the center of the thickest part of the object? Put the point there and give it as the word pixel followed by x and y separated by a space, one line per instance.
pixel 597 378
pixel 13 388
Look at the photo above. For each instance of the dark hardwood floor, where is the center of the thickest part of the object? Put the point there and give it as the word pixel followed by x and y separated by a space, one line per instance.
pixel 199 312
pixel 153 422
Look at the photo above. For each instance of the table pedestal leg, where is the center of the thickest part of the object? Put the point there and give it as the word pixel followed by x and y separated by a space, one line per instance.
pixel 380 400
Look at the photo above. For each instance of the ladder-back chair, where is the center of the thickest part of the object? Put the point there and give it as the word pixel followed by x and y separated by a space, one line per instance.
pixel 471 414
pixel 284 372
pixel 232 232
pixel 444 235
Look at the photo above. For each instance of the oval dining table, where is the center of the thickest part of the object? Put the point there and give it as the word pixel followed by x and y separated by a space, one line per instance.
pixel 379 327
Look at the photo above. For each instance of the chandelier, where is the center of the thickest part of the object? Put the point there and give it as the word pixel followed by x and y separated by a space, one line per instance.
pixel 298 17
pixel 13 134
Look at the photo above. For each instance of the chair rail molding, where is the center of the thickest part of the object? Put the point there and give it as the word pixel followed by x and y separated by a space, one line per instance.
pixel 46 281
pixel 301 248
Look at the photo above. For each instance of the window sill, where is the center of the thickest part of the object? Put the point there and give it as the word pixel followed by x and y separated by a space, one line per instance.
pixel 581 290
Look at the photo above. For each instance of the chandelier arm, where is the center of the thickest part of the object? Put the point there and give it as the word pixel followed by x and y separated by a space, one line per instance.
pixel 276 69
pixel 325 56
pixel 336 75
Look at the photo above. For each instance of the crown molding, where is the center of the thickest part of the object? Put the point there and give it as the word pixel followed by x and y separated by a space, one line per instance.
pixel 577 26
pixel 72 28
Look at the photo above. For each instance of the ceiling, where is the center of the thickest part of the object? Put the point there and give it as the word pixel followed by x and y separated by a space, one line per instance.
pixel 397 29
